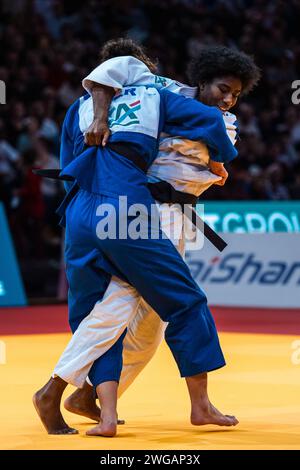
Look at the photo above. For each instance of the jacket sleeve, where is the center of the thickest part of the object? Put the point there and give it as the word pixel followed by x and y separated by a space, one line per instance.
pixel 67 141
pixel 119 72
pixel 190 119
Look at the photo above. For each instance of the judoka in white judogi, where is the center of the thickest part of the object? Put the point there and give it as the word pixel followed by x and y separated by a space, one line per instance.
pixel 182 163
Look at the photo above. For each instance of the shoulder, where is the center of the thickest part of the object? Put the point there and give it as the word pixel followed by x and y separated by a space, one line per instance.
pixel 72 114
pixel 170 94
pixel 73 109
pixel 81 103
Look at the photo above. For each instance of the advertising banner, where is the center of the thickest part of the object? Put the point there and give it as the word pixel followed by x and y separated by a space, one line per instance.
pixel 254 270
pixel 11 286
pixel 253 216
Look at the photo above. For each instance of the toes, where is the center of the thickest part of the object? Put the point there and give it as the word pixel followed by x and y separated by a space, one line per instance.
pixel 68 431
pixel 231 417
pixel 102 431
pixel 64 431
pixel 71 431
pixel 231 421
pixel 93 432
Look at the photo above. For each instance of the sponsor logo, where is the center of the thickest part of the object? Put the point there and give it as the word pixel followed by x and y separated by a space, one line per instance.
pixel 124 114
pixel 238 267
pixel 253 222
pixel 161 80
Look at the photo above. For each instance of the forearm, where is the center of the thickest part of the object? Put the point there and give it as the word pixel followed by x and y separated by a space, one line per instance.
pixel 102 96
pixel 98 132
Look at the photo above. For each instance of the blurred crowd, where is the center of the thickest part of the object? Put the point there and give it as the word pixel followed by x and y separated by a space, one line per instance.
pixel 48 46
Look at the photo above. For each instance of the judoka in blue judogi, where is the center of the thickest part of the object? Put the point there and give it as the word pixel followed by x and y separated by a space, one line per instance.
pixel 153 266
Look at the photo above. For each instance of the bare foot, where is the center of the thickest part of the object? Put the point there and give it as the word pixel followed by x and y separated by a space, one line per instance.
pixel 47 406
pixel 107 428
pixel 82 402
pixel 208 414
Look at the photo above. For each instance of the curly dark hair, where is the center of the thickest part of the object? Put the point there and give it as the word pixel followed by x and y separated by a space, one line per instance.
pixel 219 61
pixel 126 46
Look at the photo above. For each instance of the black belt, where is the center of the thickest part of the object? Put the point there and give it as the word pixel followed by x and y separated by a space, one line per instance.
pixel 129 152
pixel 161 191
pixel 208 232
pixel 123 149
pixel 53 174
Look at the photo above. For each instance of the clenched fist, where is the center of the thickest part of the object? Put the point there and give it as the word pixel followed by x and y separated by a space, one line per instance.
pixel 98 133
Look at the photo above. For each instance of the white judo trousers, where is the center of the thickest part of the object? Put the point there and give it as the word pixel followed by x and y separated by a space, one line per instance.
pixel 121 307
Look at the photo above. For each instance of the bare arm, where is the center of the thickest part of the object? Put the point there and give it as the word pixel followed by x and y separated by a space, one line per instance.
pixel 98 132
pixel 218 169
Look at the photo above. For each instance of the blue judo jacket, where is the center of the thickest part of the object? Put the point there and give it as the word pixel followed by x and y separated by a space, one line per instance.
pixel 137 117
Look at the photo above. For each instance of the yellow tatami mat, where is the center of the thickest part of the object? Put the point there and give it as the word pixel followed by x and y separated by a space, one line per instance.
pixel 260 385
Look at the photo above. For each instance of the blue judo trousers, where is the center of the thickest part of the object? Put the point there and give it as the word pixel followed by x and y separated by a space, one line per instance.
pixel 152 265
